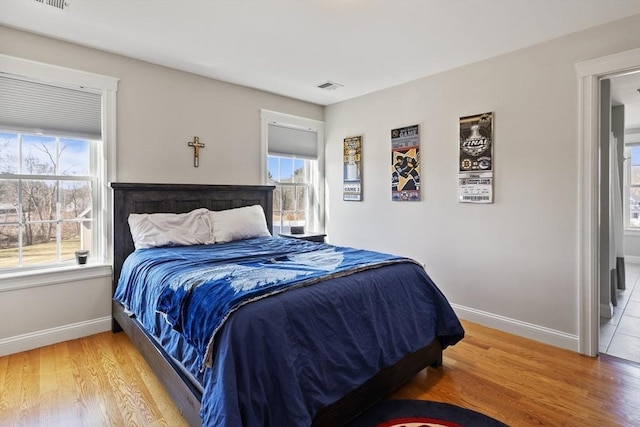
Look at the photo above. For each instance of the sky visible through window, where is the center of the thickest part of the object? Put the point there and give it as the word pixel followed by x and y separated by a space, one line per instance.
pixel 281 168
pixel 74 157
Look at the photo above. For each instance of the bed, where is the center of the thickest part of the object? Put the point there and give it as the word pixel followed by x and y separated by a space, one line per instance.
pixel 263 362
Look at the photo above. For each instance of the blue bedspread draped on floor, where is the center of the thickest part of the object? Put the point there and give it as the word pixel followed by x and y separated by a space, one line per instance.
pixel 280 360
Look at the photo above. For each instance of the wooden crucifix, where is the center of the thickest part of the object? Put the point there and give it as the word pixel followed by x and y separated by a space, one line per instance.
pixel 197 145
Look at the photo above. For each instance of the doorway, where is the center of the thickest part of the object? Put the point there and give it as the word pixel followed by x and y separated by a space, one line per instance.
pixel 590 74
pixel 619 292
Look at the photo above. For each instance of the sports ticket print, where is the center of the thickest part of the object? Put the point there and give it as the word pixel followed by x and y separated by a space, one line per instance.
pixel 475 167
pixel 405 164
pixel 476 143
pixel 352 181
pixel 475 189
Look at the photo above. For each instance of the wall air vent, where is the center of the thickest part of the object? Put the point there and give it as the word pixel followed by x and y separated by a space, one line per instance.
pixel 328 85
pixel 59 4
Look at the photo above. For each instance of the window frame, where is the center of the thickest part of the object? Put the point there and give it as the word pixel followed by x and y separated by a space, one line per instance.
pixel 316 207
pixel 628 186
pixel 307 184
pixel 105 156
pixel 21 177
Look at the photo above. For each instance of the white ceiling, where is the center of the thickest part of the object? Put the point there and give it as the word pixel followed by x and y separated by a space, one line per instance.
pixel 289 47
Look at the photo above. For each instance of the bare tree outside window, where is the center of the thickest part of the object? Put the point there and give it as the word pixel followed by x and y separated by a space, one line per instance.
pixel 45 199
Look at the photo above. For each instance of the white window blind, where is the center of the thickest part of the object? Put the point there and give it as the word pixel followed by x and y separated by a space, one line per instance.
pixel 288 141
pixel 32 106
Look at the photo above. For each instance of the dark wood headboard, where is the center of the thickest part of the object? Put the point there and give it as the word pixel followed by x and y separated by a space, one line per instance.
pixel 131 198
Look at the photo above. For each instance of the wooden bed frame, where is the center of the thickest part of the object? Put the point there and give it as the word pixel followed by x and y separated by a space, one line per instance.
pixel 179 198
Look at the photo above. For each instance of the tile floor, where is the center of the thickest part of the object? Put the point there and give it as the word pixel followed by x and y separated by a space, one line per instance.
pixel 620 335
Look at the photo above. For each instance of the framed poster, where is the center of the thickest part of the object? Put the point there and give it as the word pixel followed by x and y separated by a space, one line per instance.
pixel 352 174
pixel 475 166
pixel 405 164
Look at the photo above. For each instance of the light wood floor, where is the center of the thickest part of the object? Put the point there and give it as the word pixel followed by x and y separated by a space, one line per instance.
pixel 103 381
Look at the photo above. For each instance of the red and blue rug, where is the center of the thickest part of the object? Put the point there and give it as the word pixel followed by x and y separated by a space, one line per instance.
pixel 422 413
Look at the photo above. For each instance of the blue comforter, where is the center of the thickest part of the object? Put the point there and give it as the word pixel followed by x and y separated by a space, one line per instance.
pixel 279 361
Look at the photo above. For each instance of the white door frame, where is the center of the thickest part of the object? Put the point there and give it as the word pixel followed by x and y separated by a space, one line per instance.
pixel 589 75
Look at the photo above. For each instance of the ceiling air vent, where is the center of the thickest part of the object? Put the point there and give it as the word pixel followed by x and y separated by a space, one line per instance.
pixel 59 4
pixel 328 85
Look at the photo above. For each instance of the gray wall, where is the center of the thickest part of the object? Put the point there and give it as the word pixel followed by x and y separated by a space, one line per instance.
pixel 605 198
pixel 632 247
pixel 631 238
pixel 158 111
pixel 512 264
pixel 617 128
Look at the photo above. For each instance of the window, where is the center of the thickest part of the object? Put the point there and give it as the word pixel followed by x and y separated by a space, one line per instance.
pixel 56 127
pixel 46 189
pixel 294 155
pixel 292 178
pixel 632 186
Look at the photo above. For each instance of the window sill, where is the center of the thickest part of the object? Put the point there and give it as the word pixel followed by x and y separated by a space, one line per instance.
pixel 52 276
pixel 632 232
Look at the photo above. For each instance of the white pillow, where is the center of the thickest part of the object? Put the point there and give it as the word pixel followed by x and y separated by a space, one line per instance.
pixel 239 223
pixel 169 229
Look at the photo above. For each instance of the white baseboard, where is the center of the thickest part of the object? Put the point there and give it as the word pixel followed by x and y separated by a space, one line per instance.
pixel 517 327
pixel 632 259
pixel 38 339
